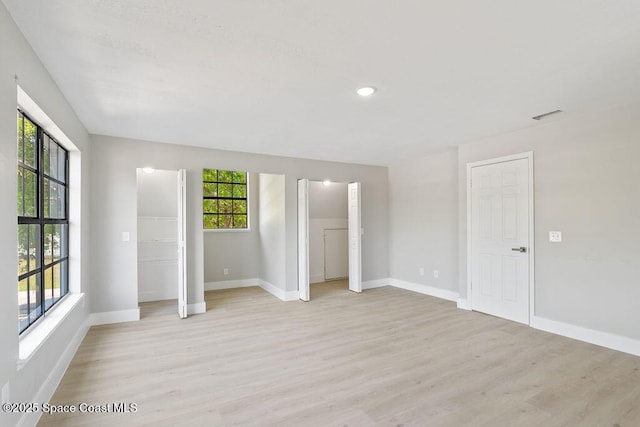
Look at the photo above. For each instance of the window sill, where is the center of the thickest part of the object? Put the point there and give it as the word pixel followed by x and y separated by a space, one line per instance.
pixel 35 338
pixel 227 230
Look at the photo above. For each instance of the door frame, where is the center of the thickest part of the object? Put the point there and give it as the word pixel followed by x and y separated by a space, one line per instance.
pixel 181 239
pixel 531 250
pixel 183 302
pixel 304 290
pixel 355 231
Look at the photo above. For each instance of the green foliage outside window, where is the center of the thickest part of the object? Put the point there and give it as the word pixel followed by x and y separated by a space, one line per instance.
pixel 43 224
pixel 224 199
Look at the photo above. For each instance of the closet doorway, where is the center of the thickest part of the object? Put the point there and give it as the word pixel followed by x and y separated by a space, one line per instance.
pixel 161 242
pixel 329 242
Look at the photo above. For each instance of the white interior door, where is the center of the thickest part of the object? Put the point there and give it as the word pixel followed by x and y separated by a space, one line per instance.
pixel 336 253
pixel 355 238
pixel 182 243
pixel 500 239
pixel 303 239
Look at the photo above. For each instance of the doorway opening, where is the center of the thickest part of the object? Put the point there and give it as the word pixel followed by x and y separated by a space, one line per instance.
pixel 161 241
pixel 329 242
pixel 328 237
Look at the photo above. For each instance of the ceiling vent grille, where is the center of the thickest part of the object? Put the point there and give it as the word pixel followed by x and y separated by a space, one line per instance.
pixel 545 115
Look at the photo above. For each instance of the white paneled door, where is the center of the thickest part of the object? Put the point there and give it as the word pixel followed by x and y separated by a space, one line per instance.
pixel 355 238
pixel 500 240
pixel 303 239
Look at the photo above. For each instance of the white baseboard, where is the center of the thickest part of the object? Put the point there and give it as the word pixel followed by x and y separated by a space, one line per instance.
pixel 277 292
pixel 425 289
pixel 378 283
pixel 45 393
pixel 108 317
pixel 316 278
pixel 269 287
pixel 230 284
pixel 463 304
pixel 160 295
pixel 292 296
pixel 272 289
pixel 604 339
pixel 197 308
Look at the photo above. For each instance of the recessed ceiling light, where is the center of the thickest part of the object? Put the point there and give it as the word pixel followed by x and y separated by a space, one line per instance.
pixel 366 91
pixel 326 182
pixel 148 170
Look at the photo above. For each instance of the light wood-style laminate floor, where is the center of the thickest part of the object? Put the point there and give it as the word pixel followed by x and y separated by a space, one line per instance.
pixel 386 357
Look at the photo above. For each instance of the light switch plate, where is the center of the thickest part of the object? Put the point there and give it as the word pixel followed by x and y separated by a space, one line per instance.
pixel 555 236
pixel 125 236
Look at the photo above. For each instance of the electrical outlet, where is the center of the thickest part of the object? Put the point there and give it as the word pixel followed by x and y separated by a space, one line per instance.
pixel 555 236
pixel 436 273
pixel 421 271
pixel 225 271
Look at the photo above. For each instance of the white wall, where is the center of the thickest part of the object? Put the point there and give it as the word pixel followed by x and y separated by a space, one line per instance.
pixel 17 59
pixel 327 209
pixel 158 194
pixel 239 251
pixel 328 201
pixel 423 207
pixel 116 160
pixel 272 230
pixel 586 185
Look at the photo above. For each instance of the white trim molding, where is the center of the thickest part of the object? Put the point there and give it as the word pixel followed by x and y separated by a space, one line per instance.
pixel 603 339
pixel 378 283
pixel 279 293
pixel 425 289
pixel 109 317
pixel 245 283
pixel 231 284
pixel 463 304
pixel 197 308
pixel 292 296
pixel 158 295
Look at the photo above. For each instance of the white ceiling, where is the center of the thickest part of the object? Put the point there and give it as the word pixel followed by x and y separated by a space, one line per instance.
pixel 279 76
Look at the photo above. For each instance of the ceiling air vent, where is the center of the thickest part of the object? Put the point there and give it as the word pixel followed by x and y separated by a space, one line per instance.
pixel 545 115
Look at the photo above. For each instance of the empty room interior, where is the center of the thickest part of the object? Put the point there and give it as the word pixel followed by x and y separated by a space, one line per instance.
pixel 332 213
